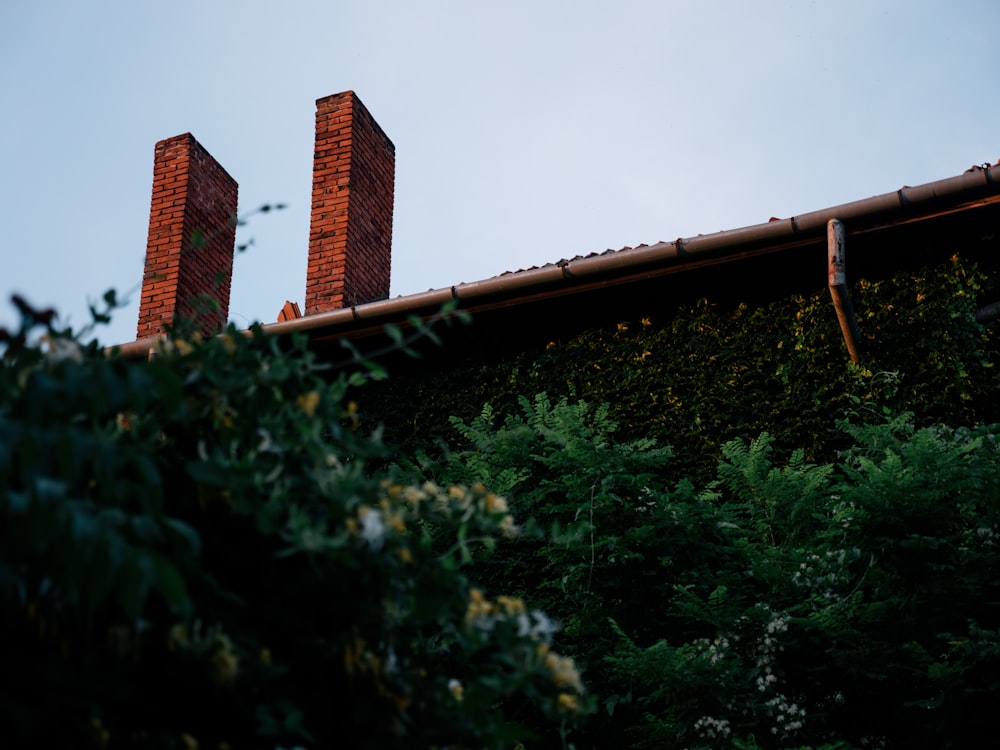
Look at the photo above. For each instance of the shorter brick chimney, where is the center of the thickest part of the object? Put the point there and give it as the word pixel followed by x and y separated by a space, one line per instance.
pixel 192 234
pixel 350 234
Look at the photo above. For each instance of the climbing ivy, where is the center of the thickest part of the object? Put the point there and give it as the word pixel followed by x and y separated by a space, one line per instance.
pixel 715 370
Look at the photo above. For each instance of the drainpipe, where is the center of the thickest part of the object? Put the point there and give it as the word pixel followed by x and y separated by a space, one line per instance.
pixel 836 239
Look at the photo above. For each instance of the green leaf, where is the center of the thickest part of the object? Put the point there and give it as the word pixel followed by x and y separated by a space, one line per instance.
pixel 171 584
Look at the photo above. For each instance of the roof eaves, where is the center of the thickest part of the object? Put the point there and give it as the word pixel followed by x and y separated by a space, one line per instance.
pixel 979 185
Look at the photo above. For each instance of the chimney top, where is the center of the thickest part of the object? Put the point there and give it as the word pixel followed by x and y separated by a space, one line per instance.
pixel 350 235
pixel 192 232
pixel 192 224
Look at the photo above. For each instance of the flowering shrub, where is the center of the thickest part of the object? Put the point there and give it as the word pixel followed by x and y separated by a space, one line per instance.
pixel 838 622
pixel 204 550
pixel 845 605
pixel 199 550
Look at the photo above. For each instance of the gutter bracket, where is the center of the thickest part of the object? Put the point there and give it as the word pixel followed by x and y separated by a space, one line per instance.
pixel 836 238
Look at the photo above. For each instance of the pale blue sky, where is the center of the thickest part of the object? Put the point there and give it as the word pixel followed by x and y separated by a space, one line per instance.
pixel 525 131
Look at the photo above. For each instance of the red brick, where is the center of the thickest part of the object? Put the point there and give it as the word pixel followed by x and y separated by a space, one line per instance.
pixel 350 235
pixel 191 193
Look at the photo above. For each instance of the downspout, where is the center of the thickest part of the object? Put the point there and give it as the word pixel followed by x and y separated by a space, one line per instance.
pixel 836 239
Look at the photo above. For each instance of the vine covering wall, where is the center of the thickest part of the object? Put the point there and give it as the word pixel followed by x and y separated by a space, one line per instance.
pixel 719 369
pixel 749 541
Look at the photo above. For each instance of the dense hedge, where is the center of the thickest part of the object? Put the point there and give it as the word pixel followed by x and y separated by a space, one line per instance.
pixel 197 550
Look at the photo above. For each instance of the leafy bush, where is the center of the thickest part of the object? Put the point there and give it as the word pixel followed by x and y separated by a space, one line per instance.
pixel 849 604
pixel 206 549
pixel 197 549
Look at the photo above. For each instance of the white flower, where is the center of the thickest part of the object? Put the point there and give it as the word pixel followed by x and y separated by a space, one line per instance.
pixel 372 528
pixel 710 727
pixel 536 625
pixel 62 350
pixel 267 444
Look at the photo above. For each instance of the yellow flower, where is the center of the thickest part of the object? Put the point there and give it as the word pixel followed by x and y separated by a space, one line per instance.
pixel 564 673
pixel 495 504
pixel 413 495
pixel 353 657
pixel 568 702
pixel 479 607
pixel 507 526
pixel 511 605
pixel 646 322
pixel 351 414
pixel 225 662
pixel 308 402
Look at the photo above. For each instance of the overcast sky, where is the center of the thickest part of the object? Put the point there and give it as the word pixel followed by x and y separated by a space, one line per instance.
pixel 525 130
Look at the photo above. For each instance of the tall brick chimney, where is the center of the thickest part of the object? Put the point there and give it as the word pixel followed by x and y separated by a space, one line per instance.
pixel 192 233
pixel 350 234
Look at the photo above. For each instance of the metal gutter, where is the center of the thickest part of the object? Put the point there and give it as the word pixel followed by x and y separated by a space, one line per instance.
pixel 979 186
pixel 140 348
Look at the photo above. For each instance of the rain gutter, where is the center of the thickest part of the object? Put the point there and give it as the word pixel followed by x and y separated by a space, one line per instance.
pixel 978 187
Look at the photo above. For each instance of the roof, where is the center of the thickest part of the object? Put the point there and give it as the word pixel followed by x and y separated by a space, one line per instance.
pixel 941 207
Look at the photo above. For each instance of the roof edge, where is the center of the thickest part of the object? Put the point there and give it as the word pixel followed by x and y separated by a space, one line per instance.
pixel 978 186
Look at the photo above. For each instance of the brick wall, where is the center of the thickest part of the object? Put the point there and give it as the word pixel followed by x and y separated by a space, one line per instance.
pixel 192 232
pixel 350 235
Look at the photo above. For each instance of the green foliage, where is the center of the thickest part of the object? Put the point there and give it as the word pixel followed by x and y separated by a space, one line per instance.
pixel 779 501
pixel 701 373
pixel 842 605
pixel 605 536
pixel 578 486
pixel 198 549
pixel 206 546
